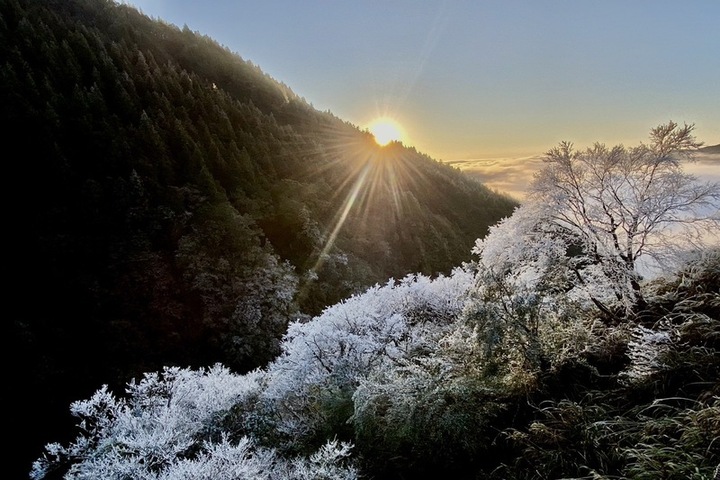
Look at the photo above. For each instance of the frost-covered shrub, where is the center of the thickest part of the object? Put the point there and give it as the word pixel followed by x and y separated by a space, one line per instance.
pixel 150 429
pixel 225 460
pixel 325 359
pixel 159 432
pixel 645 350
pixel 181 420
pixel 427 416
pixel 530 304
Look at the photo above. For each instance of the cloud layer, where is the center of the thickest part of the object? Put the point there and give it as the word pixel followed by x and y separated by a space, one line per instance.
pixel 513 175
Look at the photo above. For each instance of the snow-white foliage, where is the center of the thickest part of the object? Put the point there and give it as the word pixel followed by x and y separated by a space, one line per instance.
pixel 644 350
pixel 628 204
pixel 523 246
pixel 155 433
pixel 153 427
pixel 246 461
pixel 159 430
pixel 397 392
pixel 373 331
pixel 453 355
pixel 526 255
pixel 527 297
pixel 325 464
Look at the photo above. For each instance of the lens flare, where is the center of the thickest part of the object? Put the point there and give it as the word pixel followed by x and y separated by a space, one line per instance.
pixel 369 199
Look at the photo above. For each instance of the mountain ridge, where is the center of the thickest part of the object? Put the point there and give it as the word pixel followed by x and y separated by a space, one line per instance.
pixel 174 205
pixel 713 149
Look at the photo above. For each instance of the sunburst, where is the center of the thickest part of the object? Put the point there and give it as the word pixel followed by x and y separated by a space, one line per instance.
pixel 371 197
pixel 386 130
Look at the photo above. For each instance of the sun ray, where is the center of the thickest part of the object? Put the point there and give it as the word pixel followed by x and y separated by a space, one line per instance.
pixel 348 205
pixel 370 197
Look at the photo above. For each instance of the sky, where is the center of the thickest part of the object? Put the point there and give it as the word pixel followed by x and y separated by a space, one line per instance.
pixel 483 82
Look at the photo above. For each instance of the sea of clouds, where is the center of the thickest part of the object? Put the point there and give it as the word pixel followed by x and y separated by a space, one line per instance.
pixel 512 175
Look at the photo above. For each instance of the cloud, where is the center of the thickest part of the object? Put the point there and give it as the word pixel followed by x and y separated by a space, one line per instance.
pixel 706 167
pixel 513 175
pixel 509 175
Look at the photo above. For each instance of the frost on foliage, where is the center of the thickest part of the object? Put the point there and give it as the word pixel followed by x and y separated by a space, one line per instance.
pixel 532 292
pixel 523 245
pixel 368 332
pixel 395 393
pixel 325 464
pixel 527 254
pixel 225 460
pixel 228 461
pixel 453 356
pixel 644 351
pixel 627 206
pixel 156 433
pixel 155 425
pixel 166 425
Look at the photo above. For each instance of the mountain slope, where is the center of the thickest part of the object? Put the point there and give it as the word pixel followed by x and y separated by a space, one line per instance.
pixel 172 204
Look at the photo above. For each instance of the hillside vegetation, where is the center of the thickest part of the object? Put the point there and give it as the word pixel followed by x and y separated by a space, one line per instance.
pixel 403 381
pixel 171 204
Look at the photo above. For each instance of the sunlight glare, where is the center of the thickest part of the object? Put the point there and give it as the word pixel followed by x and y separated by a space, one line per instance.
pixel 386 130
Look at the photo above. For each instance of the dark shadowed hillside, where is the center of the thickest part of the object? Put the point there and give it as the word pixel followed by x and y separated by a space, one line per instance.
pixel 170 204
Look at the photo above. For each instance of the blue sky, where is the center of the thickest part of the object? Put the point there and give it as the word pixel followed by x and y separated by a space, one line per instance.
pixel 483 79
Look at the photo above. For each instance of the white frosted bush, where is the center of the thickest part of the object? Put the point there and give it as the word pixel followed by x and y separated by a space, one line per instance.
pixel 155 433
pixel 332 353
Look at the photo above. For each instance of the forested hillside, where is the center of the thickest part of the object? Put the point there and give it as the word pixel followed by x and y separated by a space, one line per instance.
pixel 170 204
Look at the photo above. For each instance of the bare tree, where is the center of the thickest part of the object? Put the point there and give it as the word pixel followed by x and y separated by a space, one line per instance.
pixel 625 204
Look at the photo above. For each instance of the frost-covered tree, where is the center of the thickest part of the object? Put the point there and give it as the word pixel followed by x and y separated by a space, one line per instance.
pixel 625 205
pixel 246 292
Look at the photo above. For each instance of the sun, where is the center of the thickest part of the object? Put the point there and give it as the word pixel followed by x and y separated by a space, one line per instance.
pixel 386 130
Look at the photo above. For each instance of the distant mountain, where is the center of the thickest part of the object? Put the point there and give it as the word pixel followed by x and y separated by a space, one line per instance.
pixel 713 149
pixel 171 204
